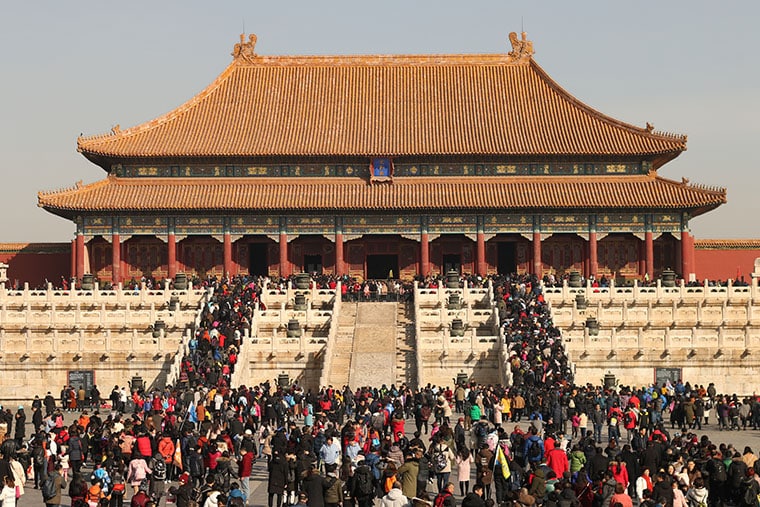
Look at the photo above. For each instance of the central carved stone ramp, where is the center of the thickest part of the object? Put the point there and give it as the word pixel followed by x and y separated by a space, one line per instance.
pixel 344 345
pixel 373 361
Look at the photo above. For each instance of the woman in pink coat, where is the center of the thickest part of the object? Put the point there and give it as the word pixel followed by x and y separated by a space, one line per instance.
pixel 138 471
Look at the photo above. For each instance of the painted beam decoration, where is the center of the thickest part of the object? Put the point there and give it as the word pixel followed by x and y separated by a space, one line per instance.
pixel 382 169
pixel 392 223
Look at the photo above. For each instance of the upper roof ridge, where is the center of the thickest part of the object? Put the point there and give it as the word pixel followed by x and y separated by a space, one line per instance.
pixel 244 53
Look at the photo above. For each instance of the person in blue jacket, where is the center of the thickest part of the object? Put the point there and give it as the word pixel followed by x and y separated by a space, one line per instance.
pixel 534 447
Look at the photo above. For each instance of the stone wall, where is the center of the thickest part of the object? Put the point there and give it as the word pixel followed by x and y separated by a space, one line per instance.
pixel 710 333
pixel 270 351
pixel 441 355
pixel 46 334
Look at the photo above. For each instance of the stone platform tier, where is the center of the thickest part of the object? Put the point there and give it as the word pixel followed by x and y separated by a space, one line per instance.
pixel 442 352
pixel 272 351
pixel 116 334
pixel 709 333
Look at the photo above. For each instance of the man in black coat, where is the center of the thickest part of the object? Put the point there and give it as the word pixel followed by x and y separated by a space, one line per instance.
pixel 662 491
pixel 49 403
pixel 474 498
pixel 597 464
pixel 314 486
pixel 20 425
pixel 278 478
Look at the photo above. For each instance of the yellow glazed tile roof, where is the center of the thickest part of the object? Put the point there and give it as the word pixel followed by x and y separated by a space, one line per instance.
pixel 406 105
pixel 408 193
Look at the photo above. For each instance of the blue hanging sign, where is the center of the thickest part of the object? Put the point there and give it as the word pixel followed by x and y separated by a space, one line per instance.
pixel 381 169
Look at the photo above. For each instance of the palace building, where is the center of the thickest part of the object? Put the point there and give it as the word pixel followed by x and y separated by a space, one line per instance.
pixel 382 165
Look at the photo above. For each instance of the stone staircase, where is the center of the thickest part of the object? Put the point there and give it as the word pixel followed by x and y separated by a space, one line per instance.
pixel 373 359
pixel 406 360
pixel 344 342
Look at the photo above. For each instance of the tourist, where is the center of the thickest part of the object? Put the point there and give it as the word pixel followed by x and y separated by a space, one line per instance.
pixel 441 458
pixel 474 498
pixel 138 472
pixel 395 497
pixel 184 493
pixel 464 461
pixel 445 497
pixel 56 480
pixel 8 492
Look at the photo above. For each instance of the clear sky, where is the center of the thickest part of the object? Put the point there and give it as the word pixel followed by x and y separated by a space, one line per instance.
pixel 689 67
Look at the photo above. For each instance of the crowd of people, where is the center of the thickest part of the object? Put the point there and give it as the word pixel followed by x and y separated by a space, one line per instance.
pixel 542 440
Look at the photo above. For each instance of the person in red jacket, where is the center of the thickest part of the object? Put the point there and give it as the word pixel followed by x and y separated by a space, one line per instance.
pixel 245 465
pixel 397 425
pixel 556 458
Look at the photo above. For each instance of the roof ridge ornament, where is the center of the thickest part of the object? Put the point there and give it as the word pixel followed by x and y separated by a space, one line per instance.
pixel 245 50
pixel 522 49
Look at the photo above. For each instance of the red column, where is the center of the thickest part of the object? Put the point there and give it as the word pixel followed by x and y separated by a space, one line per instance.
pixel 73 270
pixel 115 258
pixel 284 264
pixel 171 247
pixel 538 268
pixel 339 267
pixel 593 259
pixel 481 254
pixel 227 254
pixel 687 255
pixel 80 256
pixel 424 254
pixel 649 254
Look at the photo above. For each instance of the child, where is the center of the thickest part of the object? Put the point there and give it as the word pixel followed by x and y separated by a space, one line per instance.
pixel 8 493
pixel 64 459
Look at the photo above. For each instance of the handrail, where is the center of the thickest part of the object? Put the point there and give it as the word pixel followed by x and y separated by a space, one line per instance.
pixel 658 292
pixel 417 334
pixel 244 353
pixel 119 294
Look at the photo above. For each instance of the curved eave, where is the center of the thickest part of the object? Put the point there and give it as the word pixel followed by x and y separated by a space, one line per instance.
pixel 413 194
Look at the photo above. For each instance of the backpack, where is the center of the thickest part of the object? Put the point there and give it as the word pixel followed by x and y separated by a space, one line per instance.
pixel 48 488
pixel 627 418
pixel 534 451
pixel 440 500
pixel 39 456
pixel 93 493
pixel 718 473
pixel 364 486
pixel 519 444
pixel 440 461
pixel 481 433
pixel 159 470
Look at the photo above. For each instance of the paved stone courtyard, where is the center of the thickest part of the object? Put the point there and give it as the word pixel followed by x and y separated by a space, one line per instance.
pixel 258 498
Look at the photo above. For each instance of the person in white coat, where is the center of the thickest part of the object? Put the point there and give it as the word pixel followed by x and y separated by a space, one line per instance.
pixel 395 498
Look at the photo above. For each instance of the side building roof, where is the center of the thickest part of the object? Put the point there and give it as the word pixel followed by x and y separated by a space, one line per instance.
pixel 391 105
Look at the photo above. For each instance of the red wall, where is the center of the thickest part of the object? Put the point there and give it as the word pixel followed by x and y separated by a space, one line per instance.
pixel 36 263
pixel 721 264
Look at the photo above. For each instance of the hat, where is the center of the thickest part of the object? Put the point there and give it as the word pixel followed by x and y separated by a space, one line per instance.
pixel 248 432
pixel 184 478
pixel 21 407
